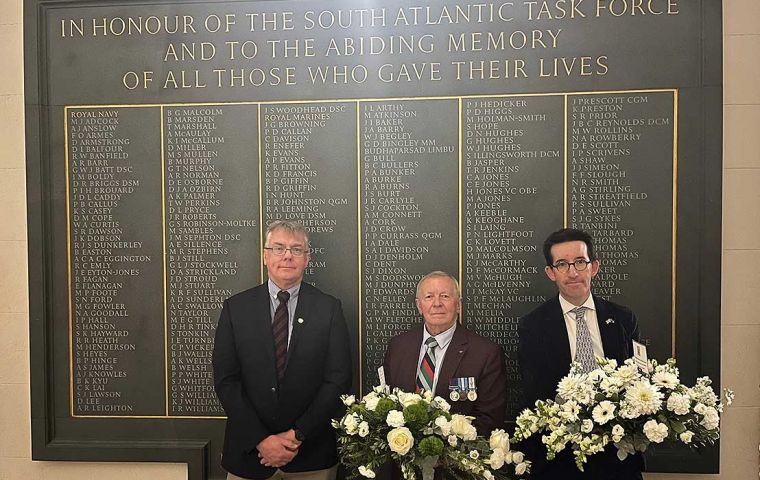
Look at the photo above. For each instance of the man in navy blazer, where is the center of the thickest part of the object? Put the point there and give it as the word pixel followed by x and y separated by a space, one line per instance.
pixel 551 338
pixel 466 363
pixel 281 362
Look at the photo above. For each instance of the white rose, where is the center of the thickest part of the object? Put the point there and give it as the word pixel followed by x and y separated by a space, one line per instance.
pixel 686 436
pixel 400 440
pixel 371 402
pixel 517 457
pixel 499 439
pixel 349 400
pixel 497 459
pixel 366 472
pixel 586 426
pixel 443 425
pixel 460 425
pixel 617 433
pixel 488 475
pixel 395 419
pixel 363 429
pixel 350 424
pixel 521 468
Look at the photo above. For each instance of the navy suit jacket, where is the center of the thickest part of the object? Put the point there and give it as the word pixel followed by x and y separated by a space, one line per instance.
pixel 544 354
pixel 245 378
pixel 468 355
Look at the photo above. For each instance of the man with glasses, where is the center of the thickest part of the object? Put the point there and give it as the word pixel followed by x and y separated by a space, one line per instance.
pixel 281 361
pixel 573 326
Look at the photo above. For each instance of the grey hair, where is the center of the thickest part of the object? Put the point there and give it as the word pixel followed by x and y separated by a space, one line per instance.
pixel 293 228
pixel 438 274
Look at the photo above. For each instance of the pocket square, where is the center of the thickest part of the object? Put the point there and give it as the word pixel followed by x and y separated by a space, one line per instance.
pixel 610 320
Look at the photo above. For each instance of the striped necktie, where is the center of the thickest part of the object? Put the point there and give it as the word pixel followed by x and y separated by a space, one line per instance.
pixel 584 350
pixel 280 333
pixel 426 372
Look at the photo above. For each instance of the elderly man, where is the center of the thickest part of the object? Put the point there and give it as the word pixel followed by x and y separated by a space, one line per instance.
pixel 573 326
pixel 281 361
pixel 448 359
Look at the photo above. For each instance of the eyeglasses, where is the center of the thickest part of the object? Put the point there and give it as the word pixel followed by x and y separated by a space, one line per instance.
pixel 580 265
pixel 279 250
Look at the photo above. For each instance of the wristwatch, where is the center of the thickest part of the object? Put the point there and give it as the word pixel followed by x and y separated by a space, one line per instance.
pixel 299 434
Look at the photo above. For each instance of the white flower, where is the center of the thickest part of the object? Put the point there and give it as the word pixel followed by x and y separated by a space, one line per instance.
pixel 497 459
pixel 463 428
pixel 442 404
pixel 617 433
pixel 395 419
pixel 567 387
pixel 586 426
pixel 443 424
pixel 517 457
pixel 644 397
pixel 351 424
pixel 363 429
pixel 686 436
pixel 604 412
pixel 665 379
pixel 499 439
pixel 366 472
pixel 711 419
pixel 400 440
pixel 570 411
pixel 370 401
pixel 655 432
pixel 521 468
pixel 348 400
pixel 627 373
pixel 488 475
pixel 678 403
pixel 452 439
pixel 474 454
pixel 700 408
pixel 407 399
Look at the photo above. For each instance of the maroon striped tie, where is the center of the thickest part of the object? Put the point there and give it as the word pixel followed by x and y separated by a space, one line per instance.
pixel 280 333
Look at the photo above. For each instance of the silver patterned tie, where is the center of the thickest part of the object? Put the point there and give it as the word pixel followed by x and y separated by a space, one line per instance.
pixel 584 350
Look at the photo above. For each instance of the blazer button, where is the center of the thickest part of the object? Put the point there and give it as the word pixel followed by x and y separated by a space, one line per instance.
pixel 274 390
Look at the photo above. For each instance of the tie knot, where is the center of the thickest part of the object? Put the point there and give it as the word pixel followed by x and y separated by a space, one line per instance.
pixel 579 311
pixel 283 296
pixel 431 342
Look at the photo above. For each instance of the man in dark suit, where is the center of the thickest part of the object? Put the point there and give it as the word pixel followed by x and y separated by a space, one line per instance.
pixel 466 369
pixel 281 361
pixel 573 326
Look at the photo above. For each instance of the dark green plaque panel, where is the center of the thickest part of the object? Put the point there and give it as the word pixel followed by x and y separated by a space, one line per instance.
pixel 162 137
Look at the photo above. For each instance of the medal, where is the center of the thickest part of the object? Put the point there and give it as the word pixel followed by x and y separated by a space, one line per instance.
pixel 472 395
pixel 454 396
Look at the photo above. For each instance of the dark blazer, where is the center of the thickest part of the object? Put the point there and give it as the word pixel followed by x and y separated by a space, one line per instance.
pixel 468 355
pixel 544 353
pixel 318 372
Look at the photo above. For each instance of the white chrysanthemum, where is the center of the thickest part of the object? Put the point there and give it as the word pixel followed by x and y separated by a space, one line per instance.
pixel 496 460
pixel 604 412
pixel 644 397
pixel 686 436
pixel 627 373
pixel 655 432
pixel 568 386
pixel 679 403
pixel 363 429
pixel 367 472
pixel 395 419
pixel 611 385
pixel 499 439
pixel 617 433
pixel 665 379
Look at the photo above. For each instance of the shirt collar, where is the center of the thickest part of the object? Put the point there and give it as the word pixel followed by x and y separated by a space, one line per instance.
pixel 274 290
pixel 443 339
pixel 568 307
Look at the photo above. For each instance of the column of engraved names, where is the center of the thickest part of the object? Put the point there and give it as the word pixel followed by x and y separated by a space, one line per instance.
pixel 115 260
pixel 212 232
pixel 513 175
pixel 620 171
pixel 309 176
pixel 409 177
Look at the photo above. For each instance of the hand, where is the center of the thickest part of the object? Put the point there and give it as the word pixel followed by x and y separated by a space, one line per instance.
pixel 290 435
pixel 276 451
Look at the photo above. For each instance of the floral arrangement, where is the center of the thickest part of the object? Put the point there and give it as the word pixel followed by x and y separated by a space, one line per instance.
pixel 626 407
pixel 419 433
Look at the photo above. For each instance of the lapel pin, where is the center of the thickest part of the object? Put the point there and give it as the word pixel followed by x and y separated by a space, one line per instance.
pixel 610 320
pixel 300 320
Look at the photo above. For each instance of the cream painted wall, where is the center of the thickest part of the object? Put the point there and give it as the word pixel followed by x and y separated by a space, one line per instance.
pixel 741 265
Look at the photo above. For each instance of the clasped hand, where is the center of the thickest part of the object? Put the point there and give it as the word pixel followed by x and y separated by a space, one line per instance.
pixel 278 450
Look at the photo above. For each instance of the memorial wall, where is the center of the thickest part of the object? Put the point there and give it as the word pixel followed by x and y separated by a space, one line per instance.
pixel 407 138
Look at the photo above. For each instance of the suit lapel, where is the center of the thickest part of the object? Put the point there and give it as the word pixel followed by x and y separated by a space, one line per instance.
pixel 302 306
pixel 608 330
pixel 262 320
pixel 557 333
pixel 457 349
